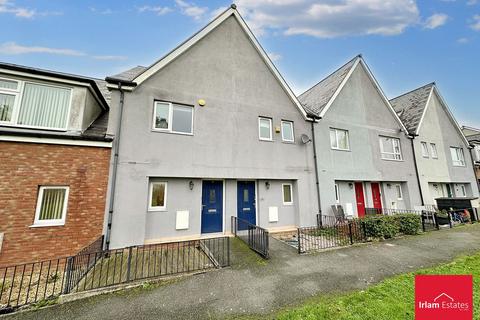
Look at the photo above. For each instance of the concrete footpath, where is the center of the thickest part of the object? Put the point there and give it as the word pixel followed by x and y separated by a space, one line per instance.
pixel 252 286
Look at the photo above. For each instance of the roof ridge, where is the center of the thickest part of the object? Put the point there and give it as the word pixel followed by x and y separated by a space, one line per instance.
pixel 358 56
pixel 412 91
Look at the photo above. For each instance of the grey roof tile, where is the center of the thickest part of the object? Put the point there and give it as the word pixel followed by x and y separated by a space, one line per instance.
pixel 98 129
pixel 130 74
pixel 410 106
pixel 317 97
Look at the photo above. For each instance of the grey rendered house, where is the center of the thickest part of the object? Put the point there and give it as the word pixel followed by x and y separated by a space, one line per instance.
pixel 365 158
pixel 473 137
pixel 209 131
pixel 442 152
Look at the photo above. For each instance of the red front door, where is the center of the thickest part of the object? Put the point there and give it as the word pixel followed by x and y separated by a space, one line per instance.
pixel 377 199
pixel 360 199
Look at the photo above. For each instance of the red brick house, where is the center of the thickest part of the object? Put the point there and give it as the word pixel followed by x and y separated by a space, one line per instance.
pixel 54 163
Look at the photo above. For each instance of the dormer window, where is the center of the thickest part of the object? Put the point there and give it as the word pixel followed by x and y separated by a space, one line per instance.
pixel 34 105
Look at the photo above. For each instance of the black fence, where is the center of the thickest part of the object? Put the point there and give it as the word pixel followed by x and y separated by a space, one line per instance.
pixel 330 234
pixel 34 282
pixel 254 236
pixel 390 212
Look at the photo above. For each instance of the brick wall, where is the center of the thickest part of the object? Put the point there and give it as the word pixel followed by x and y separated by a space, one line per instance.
pixel 26 166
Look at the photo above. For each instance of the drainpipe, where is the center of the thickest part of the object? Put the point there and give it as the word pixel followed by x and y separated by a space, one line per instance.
pixel 116 145
pixel 317 183
pixel 416 170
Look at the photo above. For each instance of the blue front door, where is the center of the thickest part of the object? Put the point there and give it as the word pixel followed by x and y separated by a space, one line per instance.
pixel 212 206
pixel 246 201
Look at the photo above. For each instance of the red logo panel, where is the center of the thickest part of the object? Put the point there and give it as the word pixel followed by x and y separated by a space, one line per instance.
pixel 443 297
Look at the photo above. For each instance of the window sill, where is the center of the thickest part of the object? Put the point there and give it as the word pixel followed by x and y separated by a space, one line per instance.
pixel 338 149
pixel 288 203
pixel 266 140
pixel 52 224
pixel 19 126
pixel 157 209
pixel 288 142
pixel 171 132
pixel 396 160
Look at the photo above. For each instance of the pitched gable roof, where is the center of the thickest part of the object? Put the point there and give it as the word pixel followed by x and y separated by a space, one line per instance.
pixel 410 106
pixel 413 105
pixel 315 99
pixel 319 98
pixel 142 75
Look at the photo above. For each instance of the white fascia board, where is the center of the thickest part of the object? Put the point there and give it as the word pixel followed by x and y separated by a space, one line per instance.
pixel 200 35
pixel 70 142
pixel 424 111
pixel 340 87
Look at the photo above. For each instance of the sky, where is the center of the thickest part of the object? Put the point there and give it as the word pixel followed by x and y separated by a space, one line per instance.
pixel 406 43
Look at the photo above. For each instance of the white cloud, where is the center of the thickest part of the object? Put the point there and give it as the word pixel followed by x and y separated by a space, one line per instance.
pixel 191 10
pixel 9 7
pixel 158 10
pixel 274 56
pixel 101 11
pixel 475 25
pixel 463 40
pixel 472 2
pixel 436 20
pixel 12 48
pixel 329 18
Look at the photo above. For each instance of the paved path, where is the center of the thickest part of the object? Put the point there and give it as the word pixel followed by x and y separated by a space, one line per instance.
pixel 261 288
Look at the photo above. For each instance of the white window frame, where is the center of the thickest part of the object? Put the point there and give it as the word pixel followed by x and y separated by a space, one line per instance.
pixel 382 152
pixel 293 131
pixel 170 117
pixel 150 193
pixel 337 194
pixel 51 222
pixel 425 152
pixel 434 150
pixel 460 162
pixel 18 103
pixel 289 203
pixel 259 132
pixel 398 187
pixel 336 130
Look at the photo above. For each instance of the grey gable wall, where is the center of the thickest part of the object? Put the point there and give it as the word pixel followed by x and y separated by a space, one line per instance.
pixel 438 128
pixel 360 109
pixel 226 71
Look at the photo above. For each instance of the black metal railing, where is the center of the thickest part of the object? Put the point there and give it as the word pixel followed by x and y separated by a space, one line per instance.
pixel 254 236
pixel 331 234
pixel 390 212
pixel 33 282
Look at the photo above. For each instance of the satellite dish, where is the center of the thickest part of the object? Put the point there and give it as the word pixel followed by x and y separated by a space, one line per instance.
pixel 305 139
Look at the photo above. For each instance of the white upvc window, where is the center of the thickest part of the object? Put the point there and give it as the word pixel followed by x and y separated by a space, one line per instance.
pixel 399 192
pixel 287 194
pixel 51 206
pixel 339 139
pixel 34 104
pixel 157 198
pixel 337 194
pixel 458 157
pixel 433 148
pixel 174 118
pixel 425 153
pixel 265 129
pixel 287 131
pixel 390 148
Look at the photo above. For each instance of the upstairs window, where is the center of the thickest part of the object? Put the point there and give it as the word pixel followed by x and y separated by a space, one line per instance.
pixel 425 150
pixel 173 118
pixel 433 148
pixel 339 139
pixel 287 131
pixel 34 105
pixel 51 206
pixel 390 148
pixel 458 157
pixel 265 129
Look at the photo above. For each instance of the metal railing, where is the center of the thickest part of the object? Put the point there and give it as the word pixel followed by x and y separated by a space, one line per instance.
pixel 330 234
pixel 33 282
pixel 254 236
pixel 389 211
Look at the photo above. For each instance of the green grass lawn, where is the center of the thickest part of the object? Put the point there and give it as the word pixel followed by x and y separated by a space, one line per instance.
pixel 391 299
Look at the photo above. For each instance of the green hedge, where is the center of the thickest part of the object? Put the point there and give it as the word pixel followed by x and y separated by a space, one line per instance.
pixel 386 227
